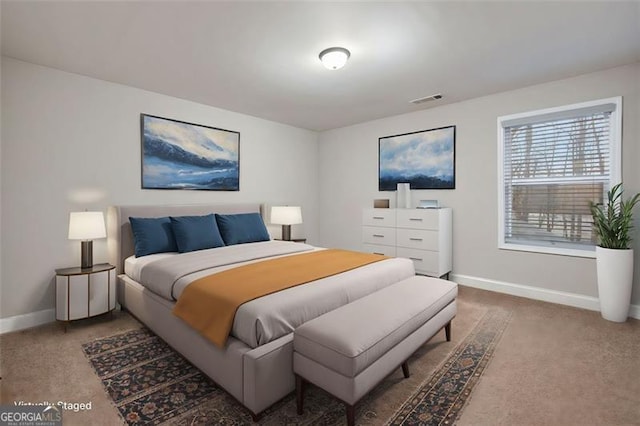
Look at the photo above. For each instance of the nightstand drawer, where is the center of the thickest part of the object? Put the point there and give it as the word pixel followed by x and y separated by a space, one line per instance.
pixel 417 239
pixel 379 217
pixel 378 249
pixel 72 295
pixel 418 218
pixel 425 262
pixel 100 292
pixel 379 235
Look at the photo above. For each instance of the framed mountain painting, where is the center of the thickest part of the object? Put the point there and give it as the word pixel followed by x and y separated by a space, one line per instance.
pixel 181 155
pixel 424 159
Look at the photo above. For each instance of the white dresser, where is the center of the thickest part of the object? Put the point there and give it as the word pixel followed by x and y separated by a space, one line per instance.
pixel 422 235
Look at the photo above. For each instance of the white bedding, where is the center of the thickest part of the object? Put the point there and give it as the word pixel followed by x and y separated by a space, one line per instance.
pixel 265 319
pixel 133 265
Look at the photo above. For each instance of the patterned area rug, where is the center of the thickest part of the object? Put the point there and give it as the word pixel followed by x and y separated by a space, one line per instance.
pixel 145 378
pixel 149 383
pixel 440 400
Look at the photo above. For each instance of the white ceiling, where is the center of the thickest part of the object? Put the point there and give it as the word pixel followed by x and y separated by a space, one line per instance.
pixel 261 58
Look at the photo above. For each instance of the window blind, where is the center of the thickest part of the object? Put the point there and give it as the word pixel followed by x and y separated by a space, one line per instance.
pixel 554 165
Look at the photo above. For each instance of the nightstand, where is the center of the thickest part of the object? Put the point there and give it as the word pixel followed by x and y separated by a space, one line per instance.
pixel 85 292
pixel 295 240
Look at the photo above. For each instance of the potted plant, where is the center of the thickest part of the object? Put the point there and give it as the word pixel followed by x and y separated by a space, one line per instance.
pixel 612 224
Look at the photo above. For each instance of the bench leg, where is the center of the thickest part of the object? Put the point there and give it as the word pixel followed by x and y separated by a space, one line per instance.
pixel 299 394
pixel 405 369
pixel 447 331
pixel 351 414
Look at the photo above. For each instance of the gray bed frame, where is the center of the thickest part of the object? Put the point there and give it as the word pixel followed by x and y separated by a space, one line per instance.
pixel 258 377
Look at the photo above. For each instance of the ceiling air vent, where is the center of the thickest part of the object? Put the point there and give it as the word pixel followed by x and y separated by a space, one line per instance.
pixel 426 99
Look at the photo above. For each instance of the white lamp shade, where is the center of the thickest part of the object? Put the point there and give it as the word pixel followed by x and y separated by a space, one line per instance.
pixel 286 215
pixel 86 226
pixel 334 58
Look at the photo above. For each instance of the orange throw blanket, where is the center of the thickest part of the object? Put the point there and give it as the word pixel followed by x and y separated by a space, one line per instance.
pixel 209 304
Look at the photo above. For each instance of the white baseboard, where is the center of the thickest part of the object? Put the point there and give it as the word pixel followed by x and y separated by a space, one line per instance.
pixel 537 293
pixel 20 322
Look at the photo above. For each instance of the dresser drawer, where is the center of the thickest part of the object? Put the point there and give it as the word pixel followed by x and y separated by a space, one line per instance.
pixel 379 217
pixel 425 262
pixel 418 218
pixel 422 235
pixel 417 238
pixel 378 249
pixel 379 235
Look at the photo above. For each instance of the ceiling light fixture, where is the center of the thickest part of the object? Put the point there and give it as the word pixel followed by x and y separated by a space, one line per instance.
pixel 334 58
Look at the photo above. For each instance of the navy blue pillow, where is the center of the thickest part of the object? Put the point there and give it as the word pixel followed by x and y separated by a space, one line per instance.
pixel 242 228
pixel 152 235
pixel 196 233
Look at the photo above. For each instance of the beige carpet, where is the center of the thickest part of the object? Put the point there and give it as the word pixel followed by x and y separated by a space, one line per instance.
pixel 554 365
pixel 558 365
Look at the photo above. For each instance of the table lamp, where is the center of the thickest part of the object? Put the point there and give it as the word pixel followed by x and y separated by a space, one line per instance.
pixel 86 226
pixel 286 216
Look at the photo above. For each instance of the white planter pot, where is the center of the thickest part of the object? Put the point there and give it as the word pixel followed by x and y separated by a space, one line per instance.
pixel 615 279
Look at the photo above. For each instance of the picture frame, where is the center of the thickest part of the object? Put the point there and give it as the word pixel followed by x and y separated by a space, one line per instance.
pixel 181 155
pixel 425 159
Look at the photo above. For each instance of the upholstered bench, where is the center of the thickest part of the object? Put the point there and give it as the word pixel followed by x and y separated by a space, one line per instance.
pixel 348 351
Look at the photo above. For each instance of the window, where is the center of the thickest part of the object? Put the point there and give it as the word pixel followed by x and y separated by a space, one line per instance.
pixel 553 163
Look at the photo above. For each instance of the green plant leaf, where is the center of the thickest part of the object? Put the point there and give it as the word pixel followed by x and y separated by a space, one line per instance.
pixel 613 223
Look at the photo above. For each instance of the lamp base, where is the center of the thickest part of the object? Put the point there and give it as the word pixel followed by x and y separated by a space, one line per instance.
pixel 86 258
pixel 286 232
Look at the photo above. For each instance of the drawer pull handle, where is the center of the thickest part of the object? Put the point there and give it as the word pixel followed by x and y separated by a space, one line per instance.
pixel 416 218
pixel 378 217
pixel 378 235
pixel 381 254
pixel 416 259
pixel 415 239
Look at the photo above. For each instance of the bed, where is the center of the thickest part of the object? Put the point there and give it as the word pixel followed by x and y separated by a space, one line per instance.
pixel 255 365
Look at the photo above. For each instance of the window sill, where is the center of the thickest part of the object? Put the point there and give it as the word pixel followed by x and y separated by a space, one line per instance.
pixel 549 250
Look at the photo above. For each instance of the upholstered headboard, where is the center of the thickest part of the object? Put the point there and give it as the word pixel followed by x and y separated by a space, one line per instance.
pixel 120 238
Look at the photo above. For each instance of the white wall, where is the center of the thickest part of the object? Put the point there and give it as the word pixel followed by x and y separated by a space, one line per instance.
pixel 349 172
pixel 70 142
